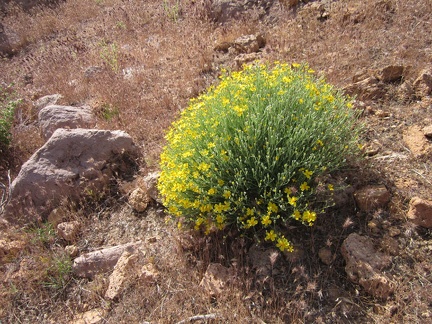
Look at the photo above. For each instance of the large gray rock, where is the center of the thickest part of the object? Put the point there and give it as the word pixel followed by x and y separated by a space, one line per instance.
pixel 53 117
pixel 69 164
pixel 225 10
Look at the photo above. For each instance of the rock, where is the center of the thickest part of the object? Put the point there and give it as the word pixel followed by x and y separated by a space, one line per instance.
pixel 416 141
pixel 53 117
pixel 93 316
pixel 222 11
pixel 427 131
pixel 70 162
pixel 216 279
pixel 139 199
pixel 364 265
pixel 367 89
pixel 148 274
pixel 372 197
pixel 68 230
pixel 124 271
pixel 150 182
pixel 420 212
pixel 263 260
pixel 46 101
pixel 247 44
pixel 326 256
pixel 10 249
pixel 423 84
pixel 101 261
pixel 71 250
pixel 246 58
pixel 391 73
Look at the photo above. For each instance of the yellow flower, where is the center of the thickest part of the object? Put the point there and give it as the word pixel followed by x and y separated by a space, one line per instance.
pixel 266 221
pixel 308 174
pixel 220 219
pixel 251 222
pixel 296 214
pixel 227 194
pixel 249 211
pixel 309 217
pixel 330 187
pixel 220 182
pixel 283 244
pixel 211 191
pixel 288 191
pixel 270 236
pixel 272 207
pixel 292 201
pixel 304 186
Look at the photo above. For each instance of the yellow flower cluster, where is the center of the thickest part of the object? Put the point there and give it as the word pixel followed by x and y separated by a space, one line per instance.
pixel 247 152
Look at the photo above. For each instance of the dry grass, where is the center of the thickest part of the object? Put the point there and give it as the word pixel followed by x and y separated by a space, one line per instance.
pixel 137 66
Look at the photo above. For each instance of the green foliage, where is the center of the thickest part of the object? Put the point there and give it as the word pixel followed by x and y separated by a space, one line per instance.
pixel 58 273
pixel 110 55
pixel 44 234
pixel 250 152
pixel 8 106
pixel 172 10
pixel 109 112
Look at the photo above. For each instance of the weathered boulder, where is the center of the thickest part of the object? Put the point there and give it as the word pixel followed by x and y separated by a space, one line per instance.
pixel 372 197
pixel 369 88
pixel 53 117
pixel 101 261
pixel 70 163
pixel 364 265
pixel 420 212
pixel 247 44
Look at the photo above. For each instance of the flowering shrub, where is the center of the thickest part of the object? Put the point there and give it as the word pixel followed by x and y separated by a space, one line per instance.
pixel 248 152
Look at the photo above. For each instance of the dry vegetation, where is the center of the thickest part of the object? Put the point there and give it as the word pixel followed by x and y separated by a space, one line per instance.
pixel 84 50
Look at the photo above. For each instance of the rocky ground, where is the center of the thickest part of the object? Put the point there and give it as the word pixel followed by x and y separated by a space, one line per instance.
pixel 91 242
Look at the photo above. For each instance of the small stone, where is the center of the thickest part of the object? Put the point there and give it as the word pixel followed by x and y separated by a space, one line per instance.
pixel 423 84
pixel 9 249
pixel 150 181
pixel 382 114
pixel 71 250
pixel 373 225
pixel 216 279
pixel 372 197
pixel 427 131
pixel 46 101
pixel 326 255
pixel 420 212
pixel 139 199
pixel 416 141
pixel 149 274
pixel 394 231
pixel 93 316
pixel 68 230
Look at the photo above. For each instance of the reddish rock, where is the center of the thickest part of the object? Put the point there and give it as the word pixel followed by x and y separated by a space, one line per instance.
pixel 364 265
pixel 420 212
pixel 216 279
pixel 68 230
pixel 416 141
pixel 372 197
pixel 391 73
pixel 423 84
